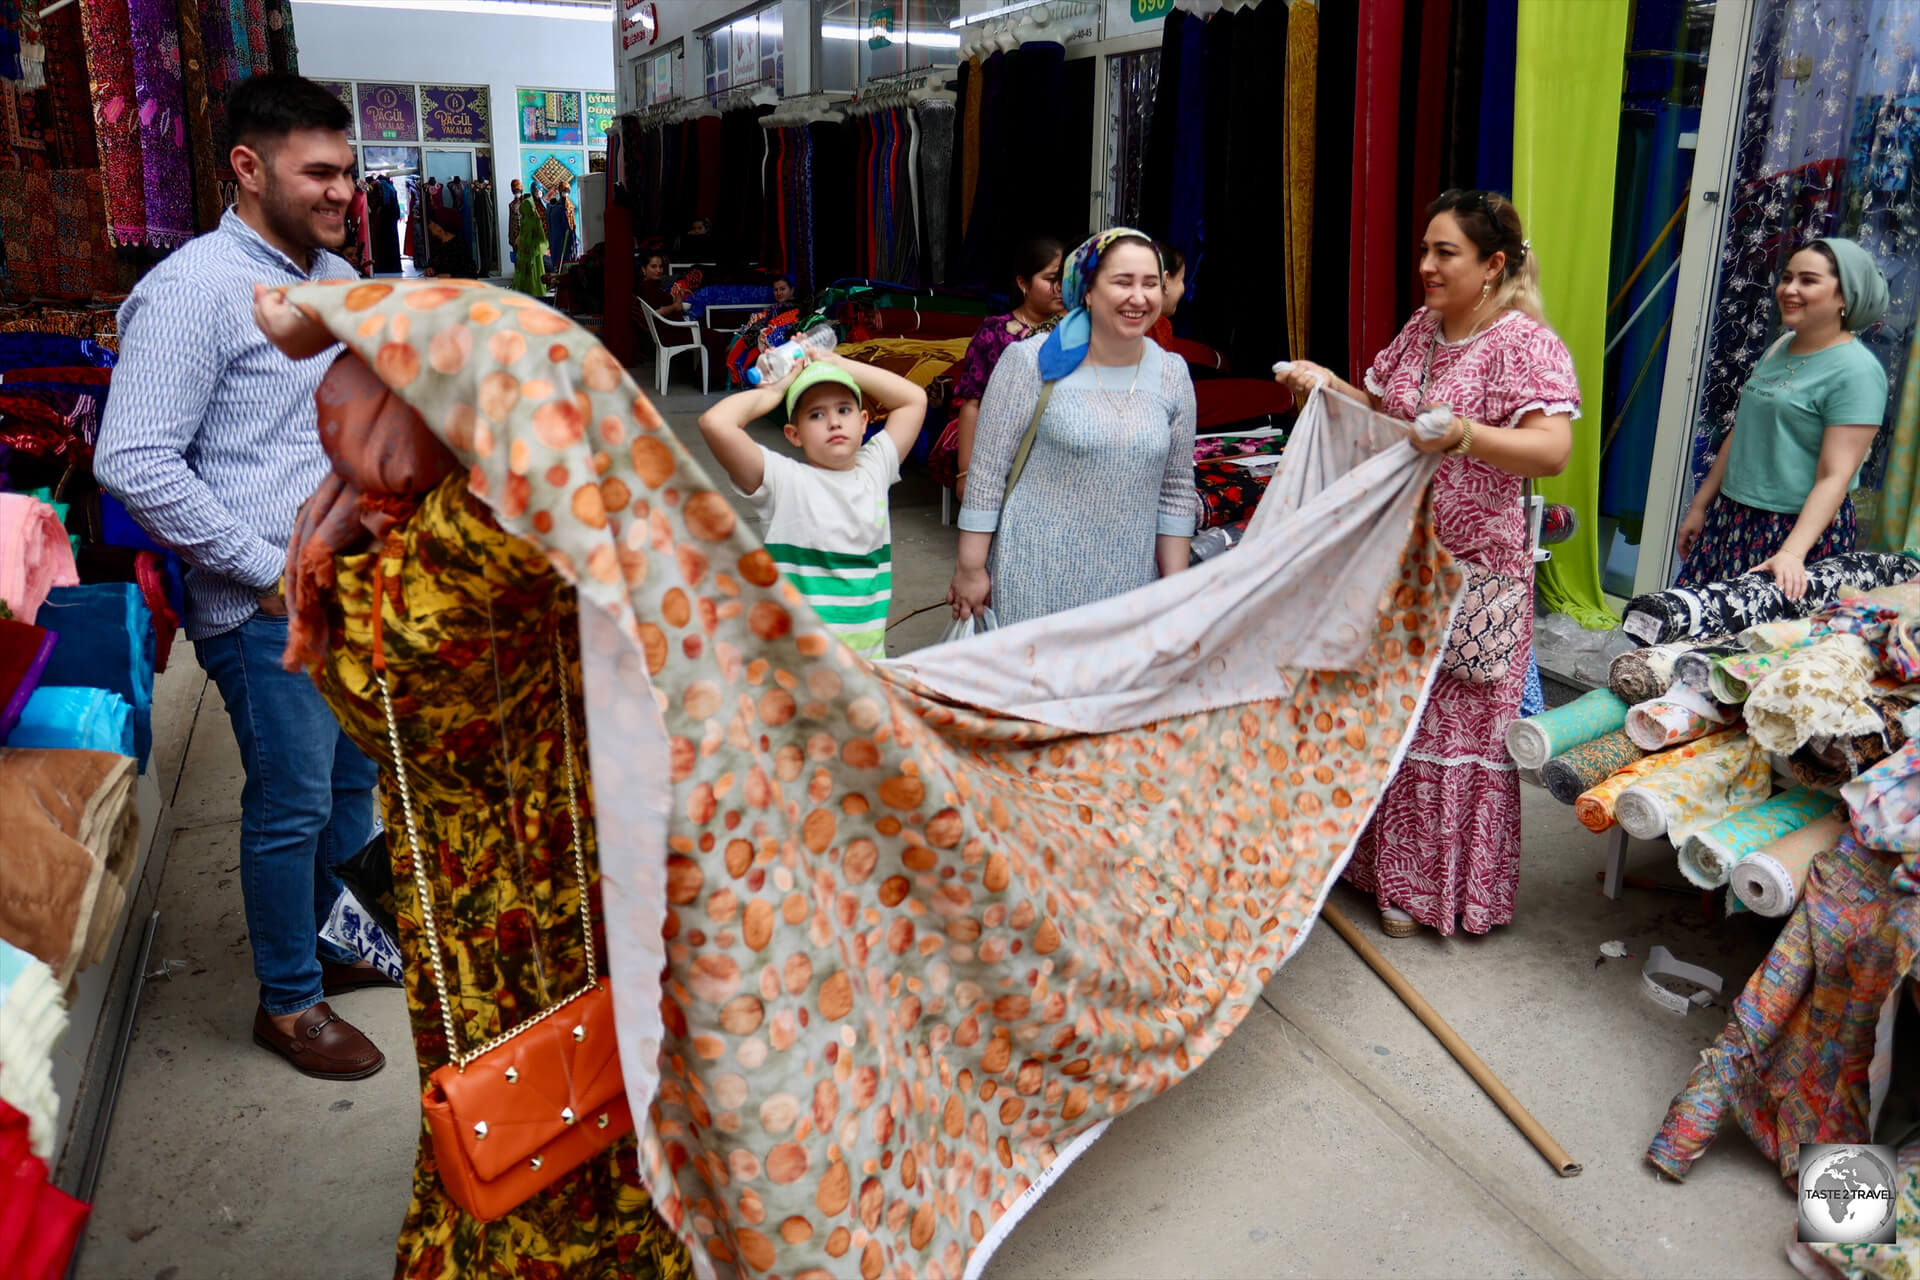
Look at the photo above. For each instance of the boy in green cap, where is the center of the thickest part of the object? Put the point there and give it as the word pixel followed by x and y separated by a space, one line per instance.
pixel 825 519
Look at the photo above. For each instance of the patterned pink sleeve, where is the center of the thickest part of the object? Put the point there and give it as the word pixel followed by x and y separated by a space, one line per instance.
pixel 1411 338
pixel 1533 371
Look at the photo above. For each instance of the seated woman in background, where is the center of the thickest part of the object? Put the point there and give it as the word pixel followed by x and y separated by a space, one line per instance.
pixel 1777 495
pixel 1036 290
pixel 656 290
pixel 1104 502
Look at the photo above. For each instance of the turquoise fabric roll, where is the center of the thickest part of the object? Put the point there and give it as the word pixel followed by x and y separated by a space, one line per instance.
pixel 1707 858
pixel 78 719
pixel 1537 739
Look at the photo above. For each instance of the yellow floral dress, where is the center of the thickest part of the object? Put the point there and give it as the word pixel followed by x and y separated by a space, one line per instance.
pixel 468 629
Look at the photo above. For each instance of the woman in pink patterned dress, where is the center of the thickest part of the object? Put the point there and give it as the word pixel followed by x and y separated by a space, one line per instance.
pixel 1444 846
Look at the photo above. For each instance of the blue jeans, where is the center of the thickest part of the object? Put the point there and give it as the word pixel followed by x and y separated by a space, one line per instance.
pixel 307 806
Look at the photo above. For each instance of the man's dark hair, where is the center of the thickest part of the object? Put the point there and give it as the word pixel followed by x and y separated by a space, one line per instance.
pixel 264 109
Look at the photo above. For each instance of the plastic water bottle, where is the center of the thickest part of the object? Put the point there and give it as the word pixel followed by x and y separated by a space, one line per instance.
pixel 777 362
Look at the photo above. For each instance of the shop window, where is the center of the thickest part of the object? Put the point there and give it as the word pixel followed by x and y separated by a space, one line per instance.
pixel 1132 81
pixel 748 50
pixel 656 77
pixel 863 40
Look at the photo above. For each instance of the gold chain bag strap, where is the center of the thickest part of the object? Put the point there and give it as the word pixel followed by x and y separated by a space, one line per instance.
pixel 513 1116
pixel 1493 606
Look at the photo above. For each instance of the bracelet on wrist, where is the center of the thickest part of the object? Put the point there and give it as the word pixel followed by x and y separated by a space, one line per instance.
pixel 1465 442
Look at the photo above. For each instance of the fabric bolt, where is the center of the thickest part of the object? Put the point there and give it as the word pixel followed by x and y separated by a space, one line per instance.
pixel 1791 1064
pixel 1578 770
pixel 1566 120
pixel 936 121
pixel 1773 637
pixel 1885 804
pixel 106 642
pixel 1736 537
pixel 116 113
pixel 1535 740
pixel 75 718
pixel 35 555
pixel 1696 791
pixel 1694 668
pixel 1768 879
pixel 69 852
pixel 1732 678
pixel 1817 692
pixel 1446 844
pixel 1641 675
pixel 1732 606
pixel 978 714
pixel 1671 720
pixel 1596 807
pixel 1832 761
pixel 24 650
pixel 1708 857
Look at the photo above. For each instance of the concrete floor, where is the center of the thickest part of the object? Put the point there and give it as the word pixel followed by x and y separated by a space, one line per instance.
pixel 1331 1136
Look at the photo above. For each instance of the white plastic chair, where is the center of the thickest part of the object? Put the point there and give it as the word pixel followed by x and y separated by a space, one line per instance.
pixel 663 354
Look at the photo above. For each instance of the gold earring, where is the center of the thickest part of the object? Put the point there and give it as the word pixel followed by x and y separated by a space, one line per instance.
pixel 1486 291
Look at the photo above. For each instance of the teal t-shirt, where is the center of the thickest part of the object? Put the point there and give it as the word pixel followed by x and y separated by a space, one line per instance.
pixel 1785 411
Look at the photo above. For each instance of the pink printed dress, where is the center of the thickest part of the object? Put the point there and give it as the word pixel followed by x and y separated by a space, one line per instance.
pixel 1445 842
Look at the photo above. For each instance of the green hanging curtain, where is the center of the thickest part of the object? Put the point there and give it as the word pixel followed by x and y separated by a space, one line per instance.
pixel 1899 525
pixel 1566 126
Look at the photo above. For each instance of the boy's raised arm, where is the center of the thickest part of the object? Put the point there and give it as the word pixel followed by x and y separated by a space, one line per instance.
pixel 725 429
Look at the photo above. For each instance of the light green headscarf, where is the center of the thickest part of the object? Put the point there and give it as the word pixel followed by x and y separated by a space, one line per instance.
pixel 1862 284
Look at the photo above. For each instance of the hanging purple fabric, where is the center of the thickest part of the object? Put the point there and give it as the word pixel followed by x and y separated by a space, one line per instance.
pixel 166 177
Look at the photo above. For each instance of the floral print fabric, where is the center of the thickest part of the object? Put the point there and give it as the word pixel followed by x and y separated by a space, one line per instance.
pixel 1595 807
pixel 1641 675
pixel 1713 851
pixel 1537 739
pixel 1695 791
pixel 1885 803
pixel 1586 766
pixel 1735 604
pixel 867 923
pixel 1736 537
pixel 1818 692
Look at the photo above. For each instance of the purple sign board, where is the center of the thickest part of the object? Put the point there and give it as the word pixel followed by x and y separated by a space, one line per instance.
pixel 454 113
pixel 387 113
pixel 339 89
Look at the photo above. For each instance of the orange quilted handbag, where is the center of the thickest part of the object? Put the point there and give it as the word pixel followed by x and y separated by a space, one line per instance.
pixel 517 1114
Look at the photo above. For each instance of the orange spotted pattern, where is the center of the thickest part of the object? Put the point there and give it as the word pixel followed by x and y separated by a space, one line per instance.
pixel 911 948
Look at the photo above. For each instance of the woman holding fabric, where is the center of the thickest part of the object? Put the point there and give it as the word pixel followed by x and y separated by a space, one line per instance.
pixel 1444 846
pixel 1105 500
pixel 1036 282
pixel 397 573
pixel 1777 494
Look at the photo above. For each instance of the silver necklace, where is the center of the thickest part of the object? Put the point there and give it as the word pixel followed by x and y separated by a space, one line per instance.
pixel 1119 410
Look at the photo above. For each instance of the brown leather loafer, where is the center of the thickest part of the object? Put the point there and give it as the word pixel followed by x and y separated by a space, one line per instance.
pixel 323 1045
pixel 338 979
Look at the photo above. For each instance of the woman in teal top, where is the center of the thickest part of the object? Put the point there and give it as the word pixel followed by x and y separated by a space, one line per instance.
pixel 1777 494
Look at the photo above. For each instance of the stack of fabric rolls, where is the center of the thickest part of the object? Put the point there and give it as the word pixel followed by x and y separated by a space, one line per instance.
pixel 1692 735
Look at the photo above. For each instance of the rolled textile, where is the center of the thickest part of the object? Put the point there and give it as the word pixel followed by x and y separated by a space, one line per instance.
pixel 1817 692
pixel 1769 880
pixel 60 717
pixel 1641 675
pixel 1694 668
pixel 1685 795
pixel 71 832
pixel 1772 637
pixel 1682 715
pixel 1832 762
pixel 35 555
pixel 107 642
pixel 1586 766
pixel 1885 804
pixel 1534 741
pixel 1708 857
pixel 1720 608
pixel 33 1017
pixel 1733 677
pixel 1596 807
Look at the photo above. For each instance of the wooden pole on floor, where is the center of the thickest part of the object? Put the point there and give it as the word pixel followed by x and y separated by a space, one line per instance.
pixel 1502 1096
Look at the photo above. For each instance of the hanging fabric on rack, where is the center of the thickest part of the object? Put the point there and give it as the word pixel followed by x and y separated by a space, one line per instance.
pixel 282 54
pixel 1566 134
pixel 1373 275
pixel 1156 187
pixel 1214 304
pixel 1423 114
pixel 1303 53
pixel 1466 65
pixel 974 87
pixel 199 129
pixel 936 117
pixel 108 27
pixel 1493 159
pixel 1334 110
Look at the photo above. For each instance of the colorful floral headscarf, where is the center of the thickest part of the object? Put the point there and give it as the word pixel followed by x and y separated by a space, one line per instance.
pixel 1066 346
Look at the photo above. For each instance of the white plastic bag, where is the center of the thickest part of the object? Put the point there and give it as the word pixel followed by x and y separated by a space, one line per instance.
pixel 963 628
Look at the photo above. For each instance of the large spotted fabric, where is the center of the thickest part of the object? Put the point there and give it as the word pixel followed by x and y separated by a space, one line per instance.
pixel 892 941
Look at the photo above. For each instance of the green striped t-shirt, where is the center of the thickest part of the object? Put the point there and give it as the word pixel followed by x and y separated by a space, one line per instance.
pixel 830 533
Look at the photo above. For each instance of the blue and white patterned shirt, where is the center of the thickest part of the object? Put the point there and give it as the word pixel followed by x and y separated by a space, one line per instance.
pixel 210 437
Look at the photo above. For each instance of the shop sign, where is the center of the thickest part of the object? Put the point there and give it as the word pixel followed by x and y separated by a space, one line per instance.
pixel 455 113
pixel 1151 10
pixel 746 49
pixel 341 90
pixel 663 79
pixel 387 113
pixel 549 116
pixel 880 28
pixel 642 23
pixel 600 111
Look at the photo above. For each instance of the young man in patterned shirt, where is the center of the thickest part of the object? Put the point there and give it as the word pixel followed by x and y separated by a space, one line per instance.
pixel 212 443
